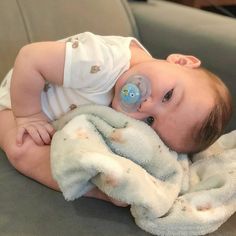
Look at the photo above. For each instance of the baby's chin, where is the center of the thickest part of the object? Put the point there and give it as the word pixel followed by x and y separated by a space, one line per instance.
pixel 135 115
pixel 115 104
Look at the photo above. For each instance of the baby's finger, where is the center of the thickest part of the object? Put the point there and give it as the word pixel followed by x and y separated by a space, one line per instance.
pixel 45 136
pixel 19 136
pixel 49 129
pixel 33 132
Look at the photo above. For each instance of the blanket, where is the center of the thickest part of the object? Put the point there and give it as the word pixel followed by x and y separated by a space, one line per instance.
pixel 168 194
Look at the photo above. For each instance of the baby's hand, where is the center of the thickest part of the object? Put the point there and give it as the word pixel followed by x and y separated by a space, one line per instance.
pixel 37 126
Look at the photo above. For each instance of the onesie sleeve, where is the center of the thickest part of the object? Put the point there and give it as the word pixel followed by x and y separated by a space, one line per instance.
pixel 87 63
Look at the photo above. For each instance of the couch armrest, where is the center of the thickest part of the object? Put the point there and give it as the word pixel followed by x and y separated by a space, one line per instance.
pixel 166 27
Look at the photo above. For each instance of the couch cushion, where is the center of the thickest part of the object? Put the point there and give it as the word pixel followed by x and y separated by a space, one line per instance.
pixel 21 22
pixel 13 35
pixel 31 209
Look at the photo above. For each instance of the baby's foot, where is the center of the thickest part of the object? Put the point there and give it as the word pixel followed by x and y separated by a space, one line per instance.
pixel 116 202
pixel 96 193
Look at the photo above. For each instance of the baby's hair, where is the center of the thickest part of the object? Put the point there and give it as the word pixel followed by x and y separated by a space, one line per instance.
pixel 214 124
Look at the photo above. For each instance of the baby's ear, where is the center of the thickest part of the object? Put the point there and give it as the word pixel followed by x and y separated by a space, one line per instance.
pixel 184 60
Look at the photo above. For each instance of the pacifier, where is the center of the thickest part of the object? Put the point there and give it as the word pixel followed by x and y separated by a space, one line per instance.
pixel 136 89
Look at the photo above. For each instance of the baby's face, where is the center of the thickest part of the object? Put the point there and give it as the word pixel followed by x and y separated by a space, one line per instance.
pixel 178 104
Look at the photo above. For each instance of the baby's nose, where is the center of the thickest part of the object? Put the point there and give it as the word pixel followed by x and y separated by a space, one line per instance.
pixel 147 106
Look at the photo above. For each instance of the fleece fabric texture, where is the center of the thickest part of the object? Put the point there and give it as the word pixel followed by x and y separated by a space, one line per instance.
pixel 168 194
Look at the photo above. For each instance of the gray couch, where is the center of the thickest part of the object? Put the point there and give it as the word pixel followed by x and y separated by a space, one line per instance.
pixel 28 208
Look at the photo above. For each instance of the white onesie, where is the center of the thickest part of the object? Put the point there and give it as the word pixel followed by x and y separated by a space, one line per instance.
pixel 93 63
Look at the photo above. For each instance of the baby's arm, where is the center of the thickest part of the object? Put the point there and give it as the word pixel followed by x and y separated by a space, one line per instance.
pixel 35 64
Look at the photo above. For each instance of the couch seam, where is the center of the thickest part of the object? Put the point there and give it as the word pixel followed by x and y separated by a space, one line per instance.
pixel 23 20
pixel 131 18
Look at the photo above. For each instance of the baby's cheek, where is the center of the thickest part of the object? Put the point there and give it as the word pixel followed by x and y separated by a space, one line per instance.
pixel 136 115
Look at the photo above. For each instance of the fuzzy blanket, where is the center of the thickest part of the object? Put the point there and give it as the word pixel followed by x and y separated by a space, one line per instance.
pixel 125 158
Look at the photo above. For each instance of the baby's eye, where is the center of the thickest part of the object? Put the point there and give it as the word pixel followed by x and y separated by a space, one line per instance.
pixel 149 120
pixel 168 96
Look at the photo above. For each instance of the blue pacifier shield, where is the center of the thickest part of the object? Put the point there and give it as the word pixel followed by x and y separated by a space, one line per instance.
pixel 130 94
pixel 134 92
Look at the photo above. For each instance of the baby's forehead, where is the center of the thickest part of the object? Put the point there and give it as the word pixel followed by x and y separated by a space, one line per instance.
pixel 200 80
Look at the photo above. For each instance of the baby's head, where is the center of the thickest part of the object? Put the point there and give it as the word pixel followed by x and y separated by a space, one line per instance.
pixel 214 123
pixel 189 106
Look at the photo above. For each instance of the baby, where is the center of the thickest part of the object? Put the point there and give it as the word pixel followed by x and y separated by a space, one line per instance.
pixel 186 105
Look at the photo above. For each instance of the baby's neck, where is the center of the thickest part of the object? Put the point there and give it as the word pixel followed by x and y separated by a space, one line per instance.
pixel 138 55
